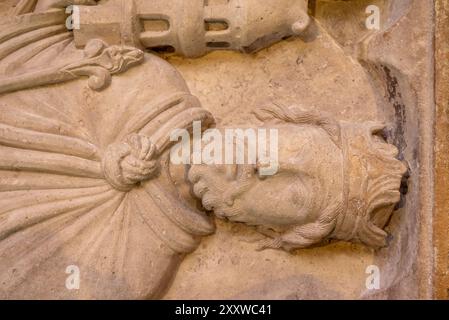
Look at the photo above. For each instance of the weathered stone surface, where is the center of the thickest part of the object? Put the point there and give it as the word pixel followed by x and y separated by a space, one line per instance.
pixel 88 180
pixel 441 222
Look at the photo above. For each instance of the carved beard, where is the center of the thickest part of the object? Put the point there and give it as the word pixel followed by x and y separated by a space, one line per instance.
pixel 218 193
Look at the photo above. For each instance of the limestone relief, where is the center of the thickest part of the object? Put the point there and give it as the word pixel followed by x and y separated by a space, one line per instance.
pixel 335 180
pixel 95 94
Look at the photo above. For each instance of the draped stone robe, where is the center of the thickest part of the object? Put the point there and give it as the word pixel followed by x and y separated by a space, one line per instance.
pixel 58 209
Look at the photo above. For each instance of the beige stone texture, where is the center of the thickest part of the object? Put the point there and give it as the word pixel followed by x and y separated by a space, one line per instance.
pixel 87 177
pixel 441 222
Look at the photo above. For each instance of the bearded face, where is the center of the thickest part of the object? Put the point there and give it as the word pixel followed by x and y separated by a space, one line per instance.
pixel 309 180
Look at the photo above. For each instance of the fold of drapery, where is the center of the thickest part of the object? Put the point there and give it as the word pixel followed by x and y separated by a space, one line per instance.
pixel 58 209
pixel 25 37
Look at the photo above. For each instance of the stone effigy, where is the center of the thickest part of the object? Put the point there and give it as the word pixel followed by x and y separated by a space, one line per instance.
pixel 84 182
pixel 86 138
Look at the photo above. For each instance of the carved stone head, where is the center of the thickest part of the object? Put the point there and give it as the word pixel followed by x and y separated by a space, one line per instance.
pixel 336 180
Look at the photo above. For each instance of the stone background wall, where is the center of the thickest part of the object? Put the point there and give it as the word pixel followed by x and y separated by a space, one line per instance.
pixel 354 74
pixel 394 85
pixel 310 73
